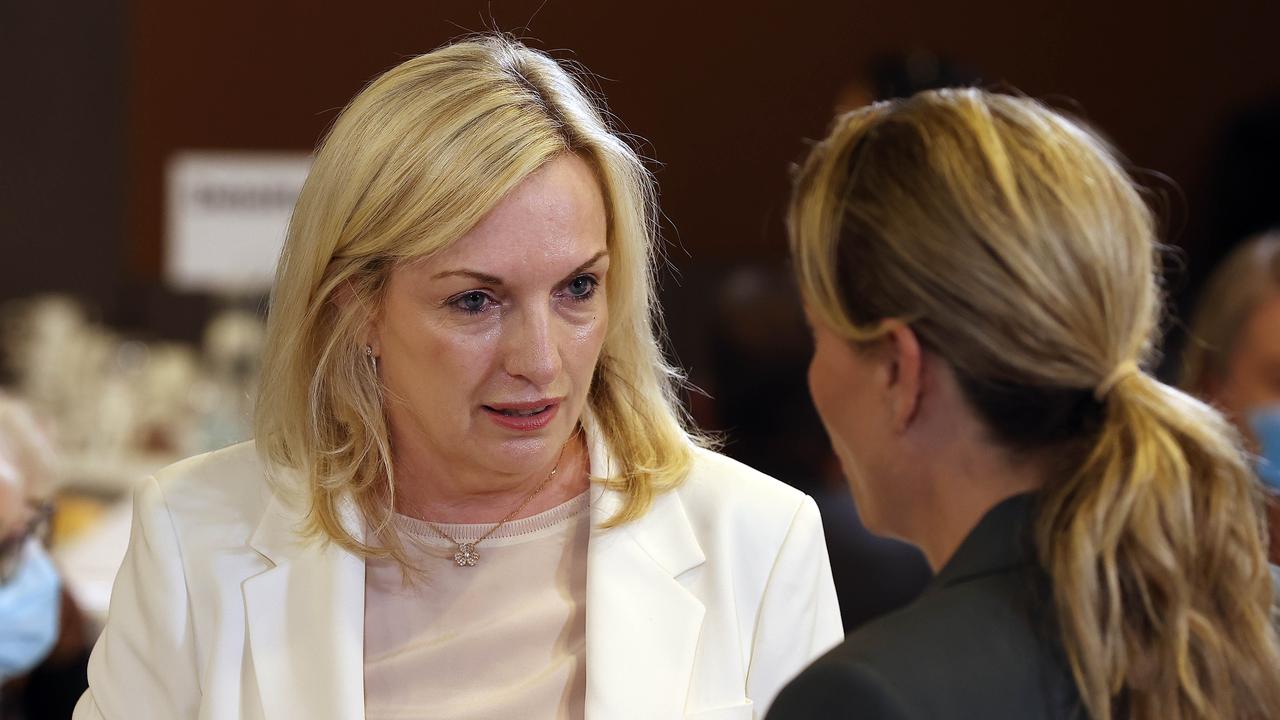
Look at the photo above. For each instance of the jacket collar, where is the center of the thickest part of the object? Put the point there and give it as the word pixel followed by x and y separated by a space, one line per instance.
pixel 643 625
pixel 305 614
pixel 998 542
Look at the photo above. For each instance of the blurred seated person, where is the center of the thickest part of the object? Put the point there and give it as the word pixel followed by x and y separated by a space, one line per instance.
pixel 979 272
pixel 29 585
pixel 1232 357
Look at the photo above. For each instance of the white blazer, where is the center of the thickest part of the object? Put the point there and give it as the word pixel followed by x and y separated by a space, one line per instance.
pixel 702 608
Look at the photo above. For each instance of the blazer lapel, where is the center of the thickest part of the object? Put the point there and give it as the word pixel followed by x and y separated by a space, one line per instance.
pixel 642 624
pixel 305 621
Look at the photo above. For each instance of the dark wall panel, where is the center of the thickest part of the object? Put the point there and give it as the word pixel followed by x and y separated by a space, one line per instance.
pixel 724 91
pixel 99 94
pixel 62 156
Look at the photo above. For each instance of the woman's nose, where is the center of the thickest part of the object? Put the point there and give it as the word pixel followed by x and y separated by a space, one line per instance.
pixel 530 348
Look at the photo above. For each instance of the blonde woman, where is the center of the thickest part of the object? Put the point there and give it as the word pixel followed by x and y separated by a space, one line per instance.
pixel 1232 358
pixel 472 493
pixel 979 274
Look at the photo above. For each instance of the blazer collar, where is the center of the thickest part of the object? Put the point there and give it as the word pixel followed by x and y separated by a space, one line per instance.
pixel 305 614
pixel 643 625
pixel 998 542
pixel 305 617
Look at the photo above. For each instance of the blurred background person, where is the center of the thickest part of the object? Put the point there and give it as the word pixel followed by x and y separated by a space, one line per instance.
pixel 979 271
pixel 29 584
pixel 1232 358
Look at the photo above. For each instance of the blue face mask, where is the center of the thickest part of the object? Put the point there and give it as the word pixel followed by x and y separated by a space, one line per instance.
pixel 1266 427
pixel 28 612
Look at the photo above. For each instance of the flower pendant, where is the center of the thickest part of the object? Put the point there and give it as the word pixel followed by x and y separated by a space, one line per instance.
pixel 466 555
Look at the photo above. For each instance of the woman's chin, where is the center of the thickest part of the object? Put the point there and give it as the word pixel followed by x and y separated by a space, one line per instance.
pixel 520 455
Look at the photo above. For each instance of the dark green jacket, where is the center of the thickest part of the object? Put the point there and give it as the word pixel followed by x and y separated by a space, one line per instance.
pixel 979 643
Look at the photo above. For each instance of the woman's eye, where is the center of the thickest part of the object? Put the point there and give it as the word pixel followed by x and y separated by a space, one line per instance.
pixel 582 287
pixel 472 302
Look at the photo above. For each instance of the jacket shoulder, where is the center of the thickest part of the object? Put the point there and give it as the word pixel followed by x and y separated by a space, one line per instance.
pixel 741 513
pixel 723 484
pixel 219 490
pixel 982 648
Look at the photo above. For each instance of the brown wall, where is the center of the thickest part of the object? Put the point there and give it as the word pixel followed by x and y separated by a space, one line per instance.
pixel 724 92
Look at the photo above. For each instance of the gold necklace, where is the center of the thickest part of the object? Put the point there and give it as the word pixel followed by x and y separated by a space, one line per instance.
pixel 467 555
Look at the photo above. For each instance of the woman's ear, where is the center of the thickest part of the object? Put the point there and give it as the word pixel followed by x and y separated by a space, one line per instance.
pixel 906 372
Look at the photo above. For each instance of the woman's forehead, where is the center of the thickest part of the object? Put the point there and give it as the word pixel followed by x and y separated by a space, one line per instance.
pixel 560 202
pixel 553 220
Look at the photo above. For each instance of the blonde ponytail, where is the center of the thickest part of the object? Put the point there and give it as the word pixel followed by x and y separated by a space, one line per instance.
pixel 1160 579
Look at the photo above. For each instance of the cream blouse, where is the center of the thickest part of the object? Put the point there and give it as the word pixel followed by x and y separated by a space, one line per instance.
pixel 502 639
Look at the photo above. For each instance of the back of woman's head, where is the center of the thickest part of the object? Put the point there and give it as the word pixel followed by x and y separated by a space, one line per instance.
pixel 415 161
pixel 1021 253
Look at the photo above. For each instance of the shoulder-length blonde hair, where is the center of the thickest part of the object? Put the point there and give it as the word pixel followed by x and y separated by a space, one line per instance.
pixel 413 162
pixel 1022 254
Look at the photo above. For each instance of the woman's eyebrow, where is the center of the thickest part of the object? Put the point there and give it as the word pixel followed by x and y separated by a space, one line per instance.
pixel 591 261
pixel 494 280
pixel 482 277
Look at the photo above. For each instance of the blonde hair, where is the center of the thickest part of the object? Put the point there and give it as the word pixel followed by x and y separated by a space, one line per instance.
pixel 1023 255
pixel 1236 287
pixel 413 162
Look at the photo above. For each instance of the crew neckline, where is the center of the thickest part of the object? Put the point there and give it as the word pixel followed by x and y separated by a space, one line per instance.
pixel 515 530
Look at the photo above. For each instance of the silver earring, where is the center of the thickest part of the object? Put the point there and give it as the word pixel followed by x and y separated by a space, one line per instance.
pixel 373 359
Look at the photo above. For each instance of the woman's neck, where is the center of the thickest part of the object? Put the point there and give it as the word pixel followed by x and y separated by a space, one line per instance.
pixel 476 496
pixel 965 488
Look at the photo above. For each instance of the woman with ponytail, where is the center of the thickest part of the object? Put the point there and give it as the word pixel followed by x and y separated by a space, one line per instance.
pixel 980 275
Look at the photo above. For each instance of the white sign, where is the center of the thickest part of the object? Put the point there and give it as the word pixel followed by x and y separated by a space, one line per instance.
pixel 227 217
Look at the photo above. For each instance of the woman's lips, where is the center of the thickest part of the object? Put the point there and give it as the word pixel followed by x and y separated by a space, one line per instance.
pixel 523 417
